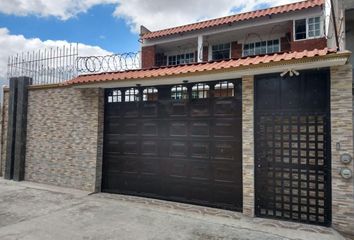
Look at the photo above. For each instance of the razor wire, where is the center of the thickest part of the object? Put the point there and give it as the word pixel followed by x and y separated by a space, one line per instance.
pixel 108 63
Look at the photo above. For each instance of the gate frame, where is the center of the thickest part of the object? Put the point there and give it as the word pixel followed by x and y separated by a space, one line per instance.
pixel 328 130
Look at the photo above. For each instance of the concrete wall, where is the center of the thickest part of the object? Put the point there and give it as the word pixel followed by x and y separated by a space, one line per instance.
pixel 64 137
pixel 342 133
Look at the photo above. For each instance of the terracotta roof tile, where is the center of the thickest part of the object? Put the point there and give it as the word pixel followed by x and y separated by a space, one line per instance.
pixel 234 18
pixel 196 67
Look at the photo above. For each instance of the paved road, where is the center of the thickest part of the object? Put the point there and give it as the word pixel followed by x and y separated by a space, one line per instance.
pixel 34 212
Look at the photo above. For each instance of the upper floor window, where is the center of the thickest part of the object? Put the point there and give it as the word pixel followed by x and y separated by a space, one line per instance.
pixel 221 51
pixel 150 94
pixel 132 95
pixel 307 28
pixel 181 59
pixel 263 47
pixel 179 92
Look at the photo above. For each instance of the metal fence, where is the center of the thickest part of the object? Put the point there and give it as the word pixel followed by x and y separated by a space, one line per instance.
pixel 56 65
pixel 46 66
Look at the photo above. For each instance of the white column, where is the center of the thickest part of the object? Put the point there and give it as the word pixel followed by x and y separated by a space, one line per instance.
pixel 200 48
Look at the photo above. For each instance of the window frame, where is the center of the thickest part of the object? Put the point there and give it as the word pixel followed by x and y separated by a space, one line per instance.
pixel 307 28
pixel 254 43
pixel 176 56
pixel 218 44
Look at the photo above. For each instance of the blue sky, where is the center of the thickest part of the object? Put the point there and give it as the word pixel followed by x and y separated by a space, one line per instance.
pixel 96 27
pixel 101 27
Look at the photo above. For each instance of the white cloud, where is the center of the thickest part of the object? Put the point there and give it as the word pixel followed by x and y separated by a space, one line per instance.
pixel 13 44
pixel 159 14
pixel 154 14
pixel 62 9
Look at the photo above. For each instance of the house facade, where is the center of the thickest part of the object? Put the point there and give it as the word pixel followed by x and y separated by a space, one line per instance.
pixel 251 113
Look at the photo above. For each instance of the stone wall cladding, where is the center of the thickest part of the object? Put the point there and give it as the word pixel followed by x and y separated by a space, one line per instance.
pixel 4 132
pixel 248 145
pixel 342 132
pixel 62 137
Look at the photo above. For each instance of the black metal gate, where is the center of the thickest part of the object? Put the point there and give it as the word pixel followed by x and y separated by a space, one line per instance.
pixel 180 142
pixel 292 147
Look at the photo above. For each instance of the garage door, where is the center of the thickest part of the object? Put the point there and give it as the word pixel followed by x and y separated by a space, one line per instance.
pixel 179 142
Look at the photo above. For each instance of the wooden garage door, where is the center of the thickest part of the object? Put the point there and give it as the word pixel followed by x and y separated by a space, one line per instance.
pixel 180 143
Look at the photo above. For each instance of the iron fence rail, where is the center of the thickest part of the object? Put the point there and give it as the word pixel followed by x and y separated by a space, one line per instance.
pixel 56 65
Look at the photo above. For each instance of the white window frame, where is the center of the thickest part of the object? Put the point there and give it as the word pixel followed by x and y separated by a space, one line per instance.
pixel 307 28
pixel 243 46
pixel 175 55
pixel 210 57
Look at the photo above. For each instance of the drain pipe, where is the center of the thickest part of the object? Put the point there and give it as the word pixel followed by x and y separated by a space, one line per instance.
pixel 335 25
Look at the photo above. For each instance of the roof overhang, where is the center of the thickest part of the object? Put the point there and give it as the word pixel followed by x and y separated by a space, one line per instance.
pixel 316 62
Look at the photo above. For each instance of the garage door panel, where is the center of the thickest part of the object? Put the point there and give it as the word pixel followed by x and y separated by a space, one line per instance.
pixel 178 149
pixel 150 148
pixel 178 169
pixel 184 150
pixel 200 108
pixel 130 128
pixel 150 128
pixel 200 128
pixel 149 109
pixel 200 149
pixel 178 128
pixel 178 108
pixel 199 170
pixel 225 150
pixel 130 147
pixel 226 172
pixel 130 110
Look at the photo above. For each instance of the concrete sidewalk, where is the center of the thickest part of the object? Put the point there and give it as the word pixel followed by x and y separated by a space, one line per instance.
pixel 33 211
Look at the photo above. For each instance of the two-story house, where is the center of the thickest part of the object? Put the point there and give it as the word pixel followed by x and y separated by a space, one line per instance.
pixel 250 112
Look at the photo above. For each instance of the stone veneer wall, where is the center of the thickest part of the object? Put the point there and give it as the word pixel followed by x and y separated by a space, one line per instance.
pixel 248 145
pixel 342 132
pixel 64 137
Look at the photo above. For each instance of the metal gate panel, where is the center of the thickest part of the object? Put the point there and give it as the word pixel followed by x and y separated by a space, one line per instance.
pixel 187 150
pixel 292 146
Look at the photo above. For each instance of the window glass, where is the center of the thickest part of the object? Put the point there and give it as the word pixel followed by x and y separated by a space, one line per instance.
pixel 179 92
pixel 115 96
pixel 314 26
pixel 221 51
pixel 224 89
pixel 263 47
pixel 181 59
pixel 200 90
pixel 300 29
pixel 150 94
pixel 132 95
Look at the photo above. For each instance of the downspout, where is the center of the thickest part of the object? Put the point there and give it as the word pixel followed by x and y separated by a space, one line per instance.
pixel 335 25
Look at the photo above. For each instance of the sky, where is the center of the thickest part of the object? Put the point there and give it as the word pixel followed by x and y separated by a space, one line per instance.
pixel 101 27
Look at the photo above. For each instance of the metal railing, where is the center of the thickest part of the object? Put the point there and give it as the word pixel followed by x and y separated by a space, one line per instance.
pixel 56 65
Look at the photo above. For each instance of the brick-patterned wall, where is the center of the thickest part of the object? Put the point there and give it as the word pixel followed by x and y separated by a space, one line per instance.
pixel 205 54
pixel 4 131
pixel 148 55
pixel 310 44
pixel 342 132
pixel 63 137
pixel 236 50
pixel 248 145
